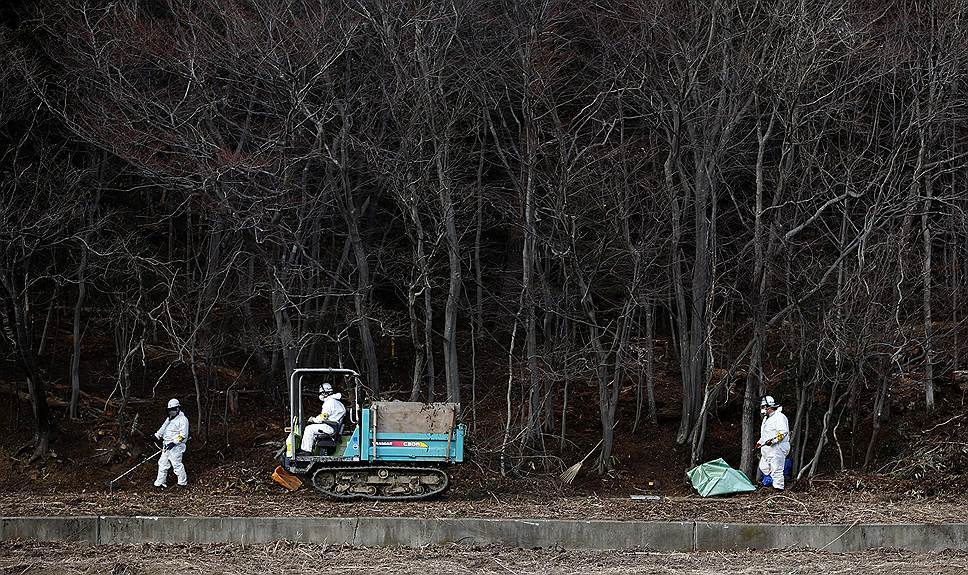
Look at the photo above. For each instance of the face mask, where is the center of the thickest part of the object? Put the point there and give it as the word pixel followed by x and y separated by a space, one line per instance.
pixel 322 397
pixel 763 412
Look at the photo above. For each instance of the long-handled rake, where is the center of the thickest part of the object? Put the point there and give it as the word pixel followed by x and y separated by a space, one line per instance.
pixel 110 484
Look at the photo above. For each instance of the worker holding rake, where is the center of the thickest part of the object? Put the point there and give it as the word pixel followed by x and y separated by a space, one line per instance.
pixel 172 436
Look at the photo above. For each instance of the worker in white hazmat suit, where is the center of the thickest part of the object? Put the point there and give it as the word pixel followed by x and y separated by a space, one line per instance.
pixel 172 436
pixel 774 443
pixel 329 419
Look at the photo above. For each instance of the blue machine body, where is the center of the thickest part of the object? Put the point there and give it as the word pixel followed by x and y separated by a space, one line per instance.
pixel 364 445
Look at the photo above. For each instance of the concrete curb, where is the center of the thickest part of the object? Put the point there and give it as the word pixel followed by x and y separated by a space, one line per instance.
pixel 525 533
pixel 835 538
pixel 71 529
pixel 389 531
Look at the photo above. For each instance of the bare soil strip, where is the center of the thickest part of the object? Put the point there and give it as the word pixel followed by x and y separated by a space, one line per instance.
pixel 282 557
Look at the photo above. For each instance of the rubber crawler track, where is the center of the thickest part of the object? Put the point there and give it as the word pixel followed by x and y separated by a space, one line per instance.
pixel 374 469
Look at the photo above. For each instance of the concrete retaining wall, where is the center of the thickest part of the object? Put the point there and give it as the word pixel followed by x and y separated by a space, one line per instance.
pixel 74 529
pixel 526 533
pixel 838 538
pixel 389 531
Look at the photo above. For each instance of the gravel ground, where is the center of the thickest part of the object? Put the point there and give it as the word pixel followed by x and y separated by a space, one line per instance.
pixel 280 558
pixel 760 507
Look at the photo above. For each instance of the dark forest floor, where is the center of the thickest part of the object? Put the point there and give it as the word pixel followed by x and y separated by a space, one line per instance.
pixel 235 481
pixel 920 475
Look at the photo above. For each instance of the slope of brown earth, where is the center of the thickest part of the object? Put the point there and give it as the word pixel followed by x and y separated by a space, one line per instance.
pixel 30 558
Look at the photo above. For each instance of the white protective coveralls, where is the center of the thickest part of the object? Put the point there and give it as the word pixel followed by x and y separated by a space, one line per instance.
pixel 172 431
pixel 772 457
pixel 333 410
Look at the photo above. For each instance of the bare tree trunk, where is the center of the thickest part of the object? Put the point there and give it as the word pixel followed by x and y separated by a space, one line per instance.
pixel 799 433
pixel 361 295
pixel 882 409
pixel 360 301
pixel 428 307
pixel 647 372
pixel 528 265
pixel 926 299
pixel 418 349
pixel 477 323
pixel 451 372
pixel 505 459
pixel 474 328
pixel 422 344
pixel 761 289
pixel 955 281
pixel 280 313
pixel 700 323
pixel 24 348
pixel 269 385
pixel 48 319
pixel 550 338
pixel 639 385
pixel 681 310
pixel 478 226
pixel 429 340
pixel 650 360
pixel 609 389
pixel 74 409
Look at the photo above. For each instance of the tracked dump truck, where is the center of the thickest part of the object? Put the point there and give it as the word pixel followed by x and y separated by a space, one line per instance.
pixel 381 450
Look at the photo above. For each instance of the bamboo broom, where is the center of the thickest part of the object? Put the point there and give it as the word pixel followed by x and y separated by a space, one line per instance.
pixel 569 475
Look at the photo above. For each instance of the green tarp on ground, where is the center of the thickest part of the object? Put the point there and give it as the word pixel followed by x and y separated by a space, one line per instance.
pixel 718 478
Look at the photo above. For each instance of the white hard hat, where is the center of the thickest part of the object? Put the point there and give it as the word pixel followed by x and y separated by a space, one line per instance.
pixel 172 403
pixel 326 388
pixel 768 401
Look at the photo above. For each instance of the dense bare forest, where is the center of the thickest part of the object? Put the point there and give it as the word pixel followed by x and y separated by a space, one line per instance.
pixel 544 199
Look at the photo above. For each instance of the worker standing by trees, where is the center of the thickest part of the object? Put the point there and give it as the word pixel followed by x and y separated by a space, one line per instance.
pixel 774 443
pixel 172 435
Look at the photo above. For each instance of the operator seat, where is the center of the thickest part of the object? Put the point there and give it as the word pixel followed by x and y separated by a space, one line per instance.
pixel 328 441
